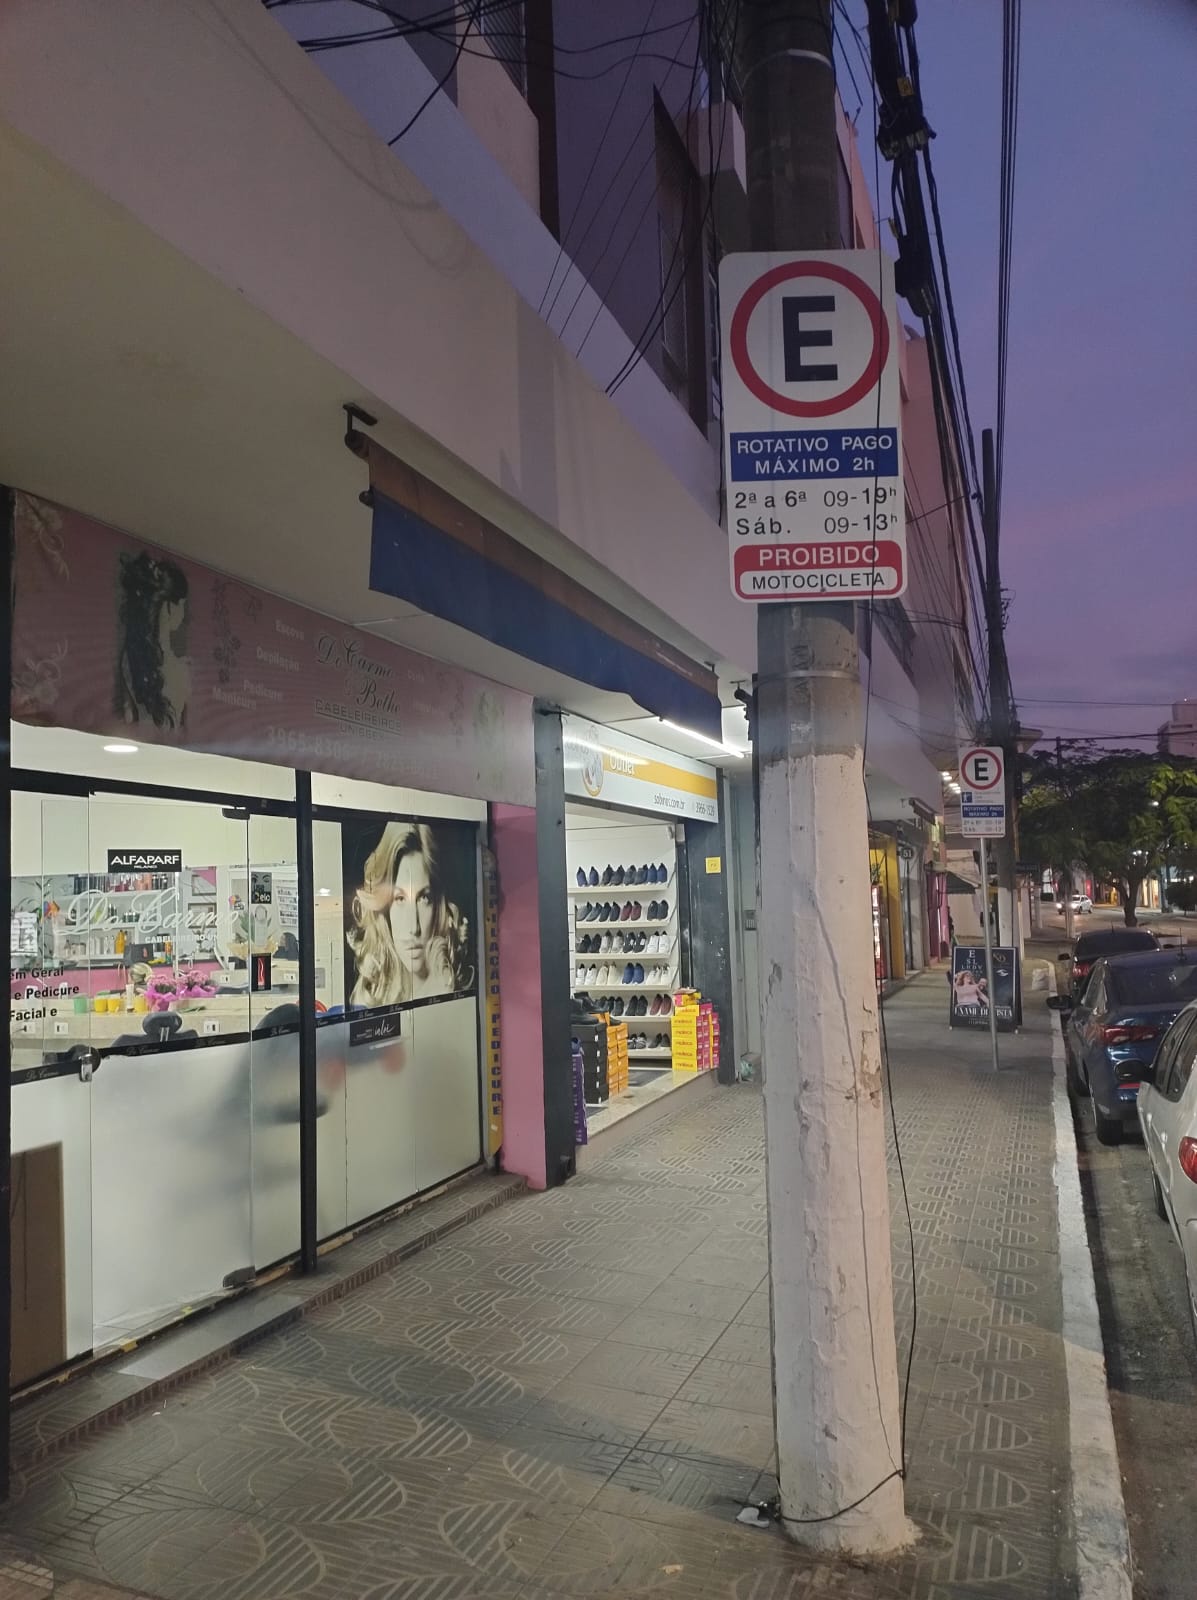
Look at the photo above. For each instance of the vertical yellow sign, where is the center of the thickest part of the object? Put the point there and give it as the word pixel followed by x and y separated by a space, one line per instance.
pixel 491 1023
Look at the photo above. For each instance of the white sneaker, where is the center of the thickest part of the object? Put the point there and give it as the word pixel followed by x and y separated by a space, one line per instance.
pixel 591 976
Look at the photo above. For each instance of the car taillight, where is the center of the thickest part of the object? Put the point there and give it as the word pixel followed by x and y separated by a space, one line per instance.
pixel 1082 969
pixel 1123 1033
pixel 1186 1154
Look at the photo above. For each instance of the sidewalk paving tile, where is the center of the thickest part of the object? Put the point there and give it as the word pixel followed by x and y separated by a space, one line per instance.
pixel 572 1397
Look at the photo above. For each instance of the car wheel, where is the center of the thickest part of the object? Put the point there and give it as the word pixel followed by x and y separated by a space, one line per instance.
pixel 1109 1129
pixel 1157 1194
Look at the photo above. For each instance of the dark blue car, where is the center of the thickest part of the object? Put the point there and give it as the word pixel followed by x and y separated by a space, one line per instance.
pixel 1113 1034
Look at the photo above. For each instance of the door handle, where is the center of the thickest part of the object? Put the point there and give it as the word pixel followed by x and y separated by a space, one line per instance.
pixel 89 1062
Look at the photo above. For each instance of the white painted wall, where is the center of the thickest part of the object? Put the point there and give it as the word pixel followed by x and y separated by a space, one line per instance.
pixel 207 124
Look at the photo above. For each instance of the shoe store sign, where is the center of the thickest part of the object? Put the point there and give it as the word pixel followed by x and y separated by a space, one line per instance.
pixel 810 426
pixel 618 770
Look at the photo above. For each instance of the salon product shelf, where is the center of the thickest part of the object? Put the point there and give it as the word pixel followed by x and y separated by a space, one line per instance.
pixel 650 1055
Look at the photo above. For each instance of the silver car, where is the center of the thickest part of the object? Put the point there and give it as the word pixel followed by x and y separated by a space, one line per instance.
pixel 1168 1116
pixel 1078 902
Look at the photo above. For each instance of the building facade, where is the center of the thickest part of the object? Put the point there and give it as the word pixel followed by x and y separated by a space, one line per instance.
pixel 1178 736
pixel 374 665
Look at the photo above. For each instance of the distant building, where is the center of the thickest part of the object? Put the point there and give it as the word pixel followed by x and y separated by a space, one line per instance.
pixel 1178 736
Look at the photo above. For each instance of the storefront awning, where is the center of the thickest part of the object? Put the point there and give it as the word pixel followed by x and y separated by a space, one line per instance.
pixel 430 550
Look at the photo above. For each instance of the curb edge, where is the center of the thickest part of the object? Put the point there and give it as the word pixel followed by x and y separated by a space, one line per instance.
pixel 1103 1552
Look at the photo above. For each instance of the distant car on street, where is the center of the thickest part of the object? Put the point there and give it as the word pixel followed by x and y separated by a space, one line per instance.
pixel 1112 1036
pixel 1077 902
pixel 1091 947
pixel 1168 1116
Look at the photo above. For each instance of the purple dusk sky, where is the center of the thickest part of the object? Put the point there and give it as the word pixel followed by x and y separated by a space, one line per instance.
pixel 1099 533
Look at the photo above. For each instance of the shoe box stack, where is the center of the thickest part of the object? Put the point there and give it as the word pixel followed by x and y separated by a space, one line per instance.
pixel 617 1057
pixel 591 1038
pixel 695 1034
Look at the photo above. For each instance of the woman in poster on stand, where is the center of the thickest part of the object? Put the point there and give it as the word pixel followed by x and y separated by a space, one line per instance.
pixel 408 936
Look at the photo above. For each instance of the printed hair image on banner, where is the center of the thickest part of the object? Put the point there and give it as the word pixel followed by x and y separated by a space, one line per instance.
pixel 111 634
pixel 411 894
pixel 153 674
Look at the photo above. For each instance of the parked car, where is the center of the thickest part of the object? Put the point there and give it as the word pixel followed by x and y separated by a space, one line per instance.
pixel 1168 1116
pixel 1113 1035
pixel 1090 947
pixel 1078 902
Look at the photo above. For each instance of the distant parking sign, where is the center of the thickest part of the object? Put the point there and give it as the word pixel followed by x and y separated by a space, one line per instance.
pixel 983 792
pixel 810 418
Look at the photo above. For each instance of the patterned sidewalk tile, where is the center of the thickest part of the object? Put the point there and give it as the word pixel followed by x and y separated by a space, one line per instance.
pixel 572 1397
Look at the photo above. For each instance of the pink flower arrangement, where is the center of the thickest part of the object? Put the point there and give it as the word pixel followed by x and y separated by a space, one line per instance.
pixel 164 994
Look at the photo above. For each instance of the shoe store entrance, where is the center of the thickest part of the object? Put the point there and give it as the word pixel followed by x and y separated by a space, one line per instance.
pixel 629 908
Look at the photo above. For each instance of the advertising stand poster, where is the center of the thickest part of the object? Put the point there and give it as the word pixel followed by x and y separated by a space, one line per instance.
pixel 970 1000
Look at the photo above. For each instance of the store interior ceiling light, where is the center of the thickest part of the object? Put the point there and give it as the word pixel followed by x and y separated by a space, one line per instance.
pixel 715 744
pixel 121 748
pixel 946 776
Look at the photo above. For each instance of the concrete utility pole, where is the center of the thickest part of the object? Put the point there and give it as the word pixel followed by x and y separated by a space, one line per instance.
pixel 834 1357
pixel 1069 927
pixel 1000 709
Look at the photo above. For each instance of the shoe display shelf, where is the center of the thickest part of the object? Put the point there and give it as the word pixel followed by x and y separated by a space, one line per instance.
pixel 648 894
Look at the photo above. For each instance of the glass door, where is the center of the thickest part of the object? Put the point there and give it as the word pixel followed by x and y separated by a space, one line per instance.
pixel 165 922
pixel 50 1053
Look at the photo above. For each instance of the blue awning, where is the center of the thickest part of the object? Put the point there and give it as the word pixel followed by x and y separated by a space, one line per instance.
pixel 435 553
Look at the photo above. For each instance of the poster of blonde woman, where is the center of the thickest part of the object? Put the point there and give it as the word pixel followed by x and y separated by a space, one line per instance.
pixel 970 996
pixel 410 910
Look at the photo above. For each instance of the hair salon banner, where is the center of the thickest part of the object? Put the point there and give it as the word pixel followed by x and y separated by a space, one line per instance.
pixel 115 637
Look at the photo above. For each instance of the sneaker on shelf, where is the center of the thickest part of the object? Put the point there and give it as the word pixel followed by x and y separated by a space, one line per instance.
pixel 581 877
pixel 662 874
pixel 629 974
pixel 592 878
pixel 608 873
pixel 617 1006
pixel 637 910
pixel 639 970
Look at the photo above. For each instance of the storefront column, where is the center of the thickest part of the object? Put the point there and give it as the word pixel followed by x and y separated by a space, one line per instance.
pixel 513 839
pixel 308 1096
pixel 704 860
pixel 553 903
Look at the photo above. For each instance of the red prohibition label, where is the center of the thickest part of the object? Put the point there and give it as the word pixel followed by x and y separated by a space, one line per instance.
pixel 992 756
pixel 774 398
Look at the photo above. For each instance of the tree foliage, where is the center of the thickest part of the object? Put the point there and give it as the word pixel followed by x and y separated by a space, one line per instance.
pixel 1121 814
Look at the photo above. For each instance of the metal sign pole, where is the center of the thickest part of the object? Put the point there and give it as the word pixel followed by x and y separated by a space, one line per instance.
pixel 993 1042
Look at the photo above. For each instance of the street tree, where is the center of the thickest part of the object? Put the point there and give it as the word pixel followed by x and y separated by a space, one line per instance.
pixel 1124 814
